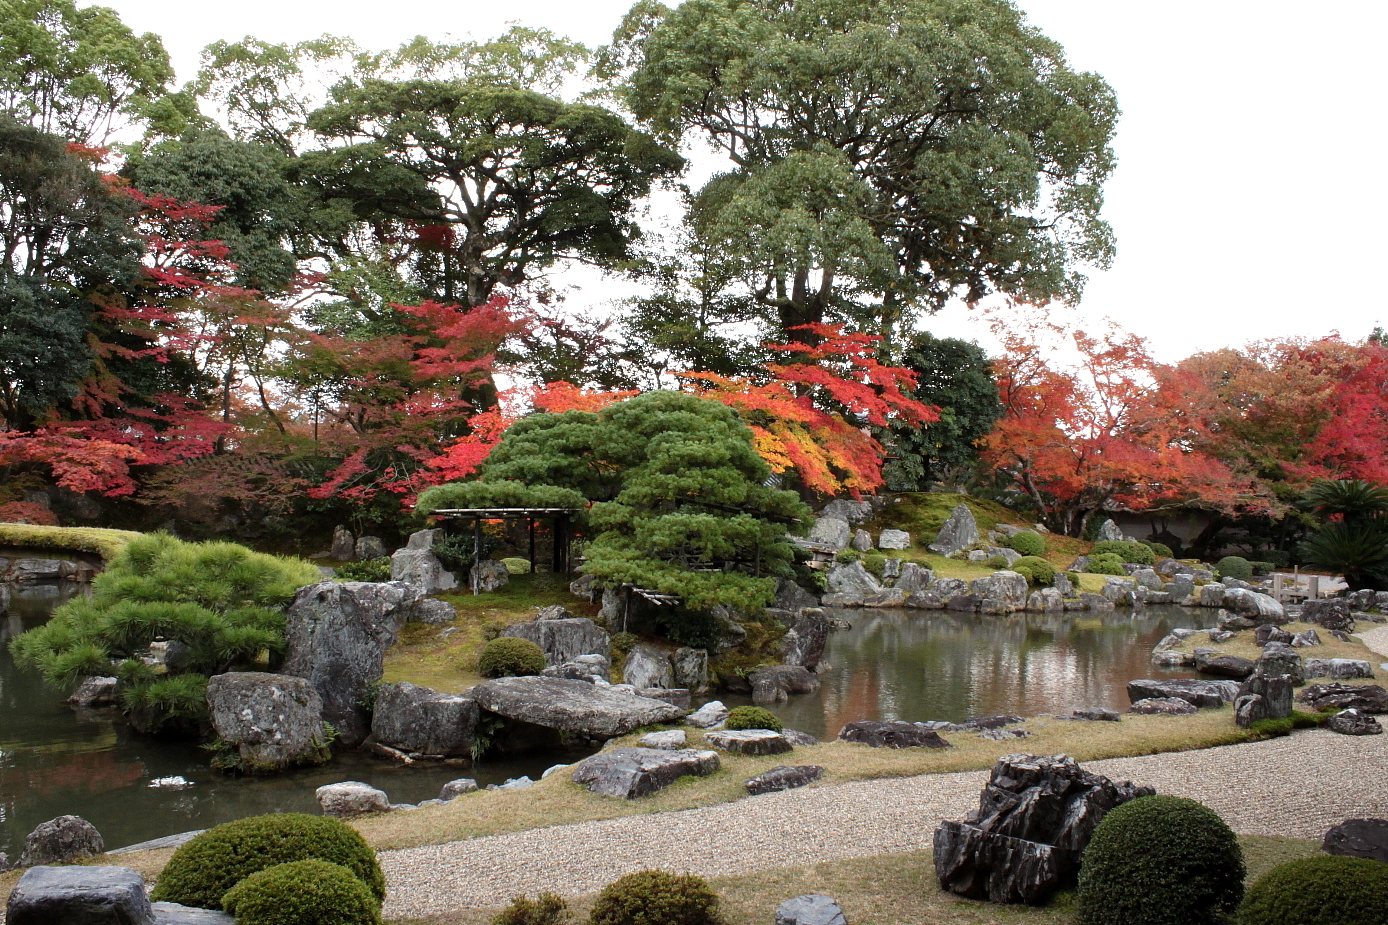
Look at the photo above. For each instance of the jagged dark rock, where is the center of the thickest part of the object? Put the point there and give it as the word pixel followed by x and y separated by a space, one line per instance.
pixel 1035 816
pixel 784 778
pixel 895 734
pixel 1358 838
pixel 1197 693
pixel 1354 722
pixel 1367 698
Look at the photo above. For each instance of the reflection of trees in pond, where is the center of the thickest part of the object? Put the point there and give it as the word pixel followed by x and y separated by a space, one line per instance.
pixel 915 665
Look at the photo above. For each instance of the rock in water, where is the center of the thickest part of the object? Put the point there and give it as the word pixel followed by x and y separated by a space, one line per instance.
pixel 634 772
pixel 958 533
pixel 775 683
pixel 895 734
pixel 95 692
pixel 803 644
pixel 61 841
pixel 572 706
pixel 351 798
pixel 422 721
pixel 272 721
pixel 563 639
pixel 810 909
pixel 1358 838
pixel 336 635
pixel 1035 817
pixel 79 896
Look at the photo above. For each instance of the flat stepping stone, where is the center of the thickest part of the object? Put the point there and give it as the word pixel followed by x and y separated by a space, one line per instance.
pixel 895 734
pixel 629 773
pixel 174 914
pixel 669 739
pixel 1197 693
pixel 748 741
pixel 810 909
pixel 79 895
pixel 784 778
pixel 1163 706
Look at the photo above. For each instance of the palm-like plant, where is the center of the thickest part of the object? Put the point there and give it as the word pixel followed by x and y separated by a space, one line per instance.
pixel 1358 550
pixel 1350 499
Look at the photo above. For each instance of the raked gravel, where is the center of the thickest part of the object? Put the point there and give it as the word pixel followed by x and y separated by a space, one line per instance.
pixel 1297 785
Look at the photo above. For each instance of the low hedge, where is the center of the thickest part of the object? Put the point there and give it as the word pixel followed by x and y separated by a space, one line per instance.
pixel 1328 890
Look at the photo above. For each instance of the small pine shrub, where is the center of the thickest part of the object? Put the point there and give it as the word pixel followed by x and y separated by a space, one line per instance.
pixel 1160 550
pixel 377 569
pixel 457 552
pixel 211 863
pixel 1028 543
pixel 545 909
pixel 1037 570
pixel 1125 550
pixel 1327 890
pixel 753 718
pixel 1234 567
pixel 1160 860
pixel 654 897
pixel 302 893
pixel 1106 563
pixel 1074 579
pixel 508 656
pixel 874 562
pixel 847 555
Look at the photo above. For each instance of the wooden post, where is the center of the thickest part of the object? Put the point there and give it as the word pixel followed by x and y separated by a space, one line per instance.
pixel 1315 592
pixel 530 528
pixel 476 553
pixel 1277 592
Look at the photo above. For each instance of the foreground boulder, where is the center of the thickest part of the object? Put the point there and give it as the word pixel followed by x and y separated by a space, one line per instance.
pixel 894 734
pixel 422 721
pixel 79 896
pixel 61 841
pixel 1197 693
pixel 336 635
pixel 565 639
pixel 574 707
pixel 1358 838
pixel 270 721
pixel 1354 722
pixel 629 773
pixel 1023 843
pixel 810 909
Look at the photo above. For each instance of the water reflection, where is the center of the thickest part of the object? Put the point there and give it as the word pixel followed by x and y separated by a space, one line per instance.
pixel 913 665
pixel 54 760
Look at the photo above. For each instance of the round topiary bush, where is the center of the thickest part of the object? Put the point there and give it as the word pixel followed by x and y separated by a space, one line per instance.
pixel 1126 550
pixel 753 718
pixel 302 893
pixel 1037 570
pixel 508 656
pixel 1160 860
pixel 1160 550
pixel 1329 890
pixel 1028 543
pixel 1106 563
pixel 1235 567
pixel 211 863
pixel 654 897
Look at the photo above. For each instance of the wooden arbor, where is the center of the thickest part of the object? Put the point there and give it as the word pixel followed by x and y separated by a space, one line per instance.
pixel 560 517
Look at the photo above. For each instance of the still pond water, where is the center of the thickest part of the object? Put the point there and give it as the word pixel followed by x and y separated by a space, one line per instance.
pixel 907 665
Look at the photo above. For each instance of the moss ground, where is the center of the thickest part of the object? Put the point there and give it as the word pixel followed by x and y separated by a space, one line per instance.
pixel 95 540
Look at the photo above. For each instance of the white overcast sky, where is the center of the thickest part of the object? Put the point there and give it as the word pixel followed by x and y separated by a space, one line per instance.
pixel 1250 198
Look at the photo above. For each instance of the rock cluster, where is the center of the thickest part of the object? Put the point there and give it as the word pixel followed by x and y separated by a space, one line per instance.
pixel 1035 816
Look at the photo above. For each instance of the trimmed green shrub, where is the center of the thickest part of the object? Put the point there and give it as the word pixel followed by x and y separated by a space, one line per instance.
pixel 545 909
pixel 654 897
pixel 997 562
pixel 1106 563
pixel 1234 567
pixel 753 718
pixel 209 864
pixel 1125 550
pixel 377 569
pixel 515 565
pixel 1160 550
pixel 508 656
pixel 1028 543
pixel 1261 568
pixel 875 562
pixel 1037 570
pixel 302 893
pixel 1160 860
pixel 1328 890
pixel 847 555
pixel 622 643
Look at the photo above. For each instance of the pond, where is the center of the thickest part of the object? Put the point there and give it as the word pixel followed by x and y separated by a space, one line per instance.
pixel 55 760
pixel 912 665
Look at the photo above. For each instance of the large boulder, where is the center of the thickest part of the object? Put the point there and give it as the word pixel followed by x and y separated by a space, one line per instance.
pixel 351 798
pixel 417 566
pixel 803 644
pixel 574 707
pixel 690 667
pixel 1255 605
pixel 709 715
pixel 832 533
pixel 913 577
pixel 61 841
pixel 1023 843
pixel 790 596
pixel 1196 693
pixel 850 578
pixel 336 636
pixel 629 773
pixel 891 734
pixel 79 896
pixel 1109 532
pixel 1354 722
pixel 774 683
pixel 647 666
pixel 1332 613
pixel 371 547
pixel 488 575
pixel 852 511
pixel 1358 838
pixel 1008 589
pixel 894 539
pixel 748 741
pixel 418 720
pixel 564 639
pixel 958 533
pixel 344 547
pixel 272 721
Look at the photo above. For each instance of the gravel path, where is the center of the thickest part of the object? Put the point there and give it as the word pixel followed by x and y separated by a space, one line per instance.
pixel 1296 785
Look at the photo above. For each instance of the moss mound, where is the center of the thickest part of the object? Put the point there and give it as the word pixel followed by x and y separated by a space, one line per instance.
pixel 753 718
pixel 507 657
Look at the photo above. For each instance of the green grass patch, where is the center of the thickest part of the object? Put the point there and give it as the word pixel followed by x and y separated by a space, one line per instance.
pixel 95 540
